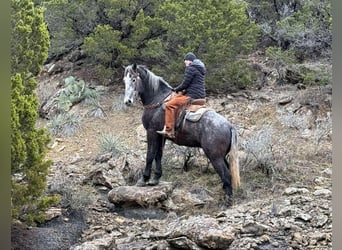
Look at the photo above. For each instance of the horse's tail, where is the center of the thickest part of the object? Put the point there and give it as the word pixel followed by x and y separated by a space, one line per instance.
pixel 234 159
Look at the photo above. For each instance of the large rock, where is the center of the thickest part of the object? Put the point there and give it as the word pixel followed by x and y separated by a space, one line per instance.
pixel 142 196
pixel 204 231
pixel 105 242
pixel 103 175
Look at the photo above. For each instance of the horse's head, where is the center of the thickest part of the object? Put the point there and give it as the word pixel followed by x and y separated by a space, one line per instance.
pixel 131 79
pixel 142 82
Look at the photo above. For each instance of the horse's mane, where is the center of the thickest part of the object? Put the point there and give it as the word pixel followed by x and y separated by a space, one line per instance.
pixel 153 80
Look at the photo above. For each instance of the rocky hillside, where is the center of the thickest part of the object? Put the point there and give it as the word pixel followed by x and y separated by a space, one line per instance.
pixel 285 201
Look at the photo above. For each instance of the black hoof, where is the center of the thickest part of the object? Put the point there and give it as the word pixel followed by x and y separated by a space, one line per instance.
pixel 153 182
pixel 141 182
pixel 228 201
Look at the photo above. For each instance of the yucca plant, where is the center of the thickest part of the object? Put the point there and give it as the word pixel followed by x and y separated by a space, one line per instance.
pixel 64 124
pixel 118 104
pixel 96 108
pixel 110 143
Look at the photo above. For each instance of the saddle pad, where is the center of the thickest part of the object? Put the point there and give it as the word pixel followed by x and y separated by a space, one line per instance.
pixel 196 116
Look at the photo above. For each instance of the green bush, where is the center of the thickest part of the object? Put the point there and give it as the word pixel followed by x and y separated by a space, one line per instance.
pixel 239 75
pixel 42 205
pixel 316 76
pixel 117 33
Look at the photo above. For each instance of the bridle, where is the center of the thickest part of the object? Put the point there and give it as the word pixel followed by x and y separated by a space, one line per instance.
pixel 137 81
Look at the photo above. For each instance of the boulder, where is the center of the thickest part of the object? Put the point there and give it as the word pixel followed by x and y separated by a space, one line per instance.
pixel 141 196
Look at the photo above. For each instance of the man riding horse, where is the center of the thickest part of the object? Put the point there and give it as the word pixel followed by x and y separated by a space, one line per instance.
pixel 212 132
pixel 192 87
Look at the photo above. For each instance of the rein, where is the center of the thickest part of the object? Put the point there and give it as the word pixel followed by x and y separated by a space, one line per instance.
pixel 158 104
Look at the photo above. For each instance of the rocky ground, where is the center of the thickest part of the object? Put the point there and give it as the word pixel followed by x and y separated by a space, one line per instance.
pixel 284 202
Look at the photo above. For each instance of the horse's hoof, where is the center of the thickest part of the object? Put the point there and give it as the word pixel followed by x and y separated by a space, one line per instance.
pixel 228 201
pixel 141 182
pixel 153 182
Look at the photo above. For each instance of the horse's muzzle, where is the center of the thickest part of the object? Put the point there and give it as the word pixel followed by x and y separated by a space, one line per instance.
pixel 128 102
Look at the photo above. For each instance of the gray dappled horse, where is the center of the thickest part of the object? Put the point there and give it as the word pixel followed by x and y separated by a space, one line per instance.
pixel 213 133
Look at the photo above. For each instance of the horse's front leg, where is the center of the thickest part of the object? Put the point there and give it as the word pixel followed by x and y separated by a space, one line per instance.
pixel 159 145
pixel 154 151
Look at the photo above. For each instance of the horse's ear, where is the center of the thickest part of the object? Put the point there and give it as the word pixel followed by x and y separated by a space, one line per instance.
pixel 134 67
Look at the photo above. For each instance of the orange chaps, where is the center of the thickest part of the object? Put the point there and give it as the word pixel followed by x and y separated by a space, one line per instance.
pixel 172 108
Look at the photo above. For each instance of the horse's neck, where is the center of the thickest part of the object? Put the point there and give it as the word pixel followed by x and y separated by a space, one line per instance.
pixel 153 96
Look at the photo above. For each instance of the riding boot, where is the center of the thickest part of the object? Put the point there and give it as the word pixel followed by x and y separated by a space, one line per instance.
pixel 166 133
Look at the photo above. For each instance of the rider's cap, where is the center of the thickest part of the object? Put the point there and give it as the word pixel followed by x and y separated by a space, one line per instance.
pixel 190 56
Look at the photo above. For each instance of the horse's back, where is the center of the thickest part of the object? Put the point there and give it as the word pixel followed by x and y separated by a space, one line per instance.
pixel 212 128
pixel 216 125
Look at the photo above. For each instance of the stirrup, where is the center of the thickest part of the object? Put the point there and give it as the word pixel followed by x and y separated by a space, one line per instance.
pixel 163 131
pixel 166 133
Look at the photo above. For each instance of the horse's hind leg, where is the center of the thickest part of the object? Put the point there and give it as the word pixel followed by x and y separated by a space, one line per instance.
pixel 222 169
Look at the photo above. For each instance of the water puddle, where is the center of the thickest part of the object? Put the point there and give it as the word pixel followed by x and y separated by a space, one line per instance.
pixel 140 213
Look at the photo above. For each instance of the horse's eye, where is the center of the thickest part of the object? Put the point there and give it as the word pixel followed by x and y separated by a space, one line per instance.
pixel 133 80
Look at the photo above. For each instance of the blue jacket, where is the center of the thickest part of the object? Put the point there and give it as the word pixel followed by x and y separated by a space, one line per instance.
pixel 193 81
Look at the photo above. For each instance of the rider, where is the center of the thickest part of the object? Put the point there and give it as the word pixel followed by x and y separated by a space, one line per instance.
pixel 192 87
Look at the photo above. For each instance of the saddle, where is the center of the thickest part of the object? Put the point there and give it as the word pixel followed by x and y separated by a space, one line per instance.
pixel 193 112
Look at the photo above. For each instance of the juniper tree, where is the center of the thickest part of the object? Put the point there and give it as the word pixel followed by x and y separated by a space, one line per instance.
pixel 304 26
pixel 219 32
pixel 29 169
pixel 158 34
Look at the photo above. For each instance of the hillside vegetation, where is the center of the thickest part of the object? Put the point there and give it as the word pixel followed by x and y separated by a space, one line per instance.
pixel 269 73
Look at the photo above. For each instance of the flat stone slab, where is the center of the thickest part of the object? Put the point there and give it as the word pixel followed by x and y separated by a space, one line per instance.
pixel 142 196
